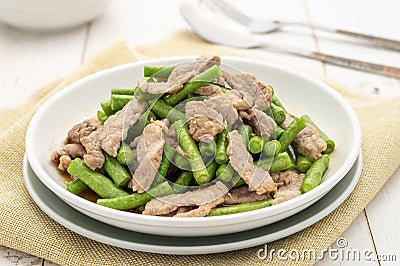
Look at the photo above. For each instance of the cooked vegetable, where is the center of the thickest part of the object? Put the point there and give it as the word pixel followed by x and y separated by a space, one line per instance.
pixel 119 101
pixel 157 71
pixel 314 175
pixel 125 155
pixel 255 145
pixel 106 106
pixel 162 110
pixel 212 169
pixel 162 170
pixel 282 161
pixel 271 147
pixel 239 181
pixel 137 129
pixel 290 133
pixel 182 182
pixel 277 102
pixel 222 143
pixel 244 207
pixel 193 84
pixel 278 113
pixel 303 163
pixel 76 186
pixel 329 142
pixel 101 116
pixel 123 91
pixel 116 171
pixel 278 132
pixel 97 182
pixel 245 131
pixel 191 151
pixel 131 201
pixel 207 149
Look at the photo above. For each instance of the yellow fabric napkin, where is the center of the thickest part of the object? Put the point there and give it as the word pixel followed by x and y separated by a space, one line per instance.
pixel 25 227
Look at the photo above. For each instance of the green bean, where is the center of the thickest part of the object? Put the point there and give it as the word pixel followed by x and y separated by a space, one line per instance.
pixel 278 132
pixel 136 199
pixel 193 84
pixel 100 184
pixel 123 91
pixel 212 169
pixel 101 116
pixel 157 71
pixel 152 116
pixel 119 101
pixel 106 106
pixel 330 144
pixel 245 131
pixel 207 149
pixel 255 145
pixel 143 96
pixel 239 181
pixel 125 155
pixel 182 182
pixel 76 186
pixel 222 144
pixel 279 115
pixel 225 172
pixel 169 152
pixel 162 110
pixel 272 147
pixel 191 151
pixel 238 208
pixel 277 102
pixel 116 171
pixel 303 163
pixel 162 170
pixel 181 162
pixel 314 174
pixel 282 161
pixel 291 132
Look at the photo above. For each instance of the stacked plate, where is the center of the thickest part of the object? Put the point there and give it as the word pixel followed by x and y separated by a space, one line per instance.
pixel 301 94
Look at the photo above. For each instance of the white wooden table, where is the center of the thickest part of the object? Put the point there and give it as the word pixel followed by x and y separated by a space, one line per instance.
pixel 29 60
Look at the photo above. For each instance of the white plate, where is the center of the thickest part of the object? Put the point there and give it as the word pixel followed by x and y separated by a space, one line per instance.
pixel 300 93
pixel 93 229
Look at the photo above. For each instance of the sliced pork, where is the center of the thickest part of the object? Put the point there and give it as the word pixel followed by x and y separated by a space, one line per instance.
pixel 149 152
pixel 288 183
pixel 206 199
pixel 180 75
pixel 81 130
pixel 308 142
pixel 64 156
pixel 257 178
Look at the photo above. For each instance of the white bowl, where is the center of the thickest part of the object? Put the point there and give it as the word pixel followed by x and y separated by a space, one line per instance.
pixel 300 94
pixel 50 15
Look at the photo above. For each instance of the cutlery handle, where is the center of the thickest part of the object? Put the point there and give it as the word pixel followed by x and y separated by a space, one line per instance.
pixel 389 71
pixel 383 42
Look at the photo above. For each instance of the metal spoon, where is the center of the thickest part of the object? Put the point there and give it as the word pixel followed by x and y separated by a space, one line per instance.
pixel 208 26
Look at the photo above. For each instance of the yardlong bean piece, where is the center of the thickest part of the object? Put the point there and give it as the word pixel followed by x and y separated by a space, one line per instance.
pixel 100 184
pixel 192 85
pixel 279 115
pixel 191 151
pixel 125 155
pixel 278 132
pixel 238 208
pixel 314 175
pixel 106 106
pixel 137 129
pixel 272 147
pixel 222 144
pixel 330 144
pixel 119 101
pixel 207 149
pixel 245 131
pixel 76 186
pixel 182 182
pixel 116 171
pixel 282 161
pixel 277 102
pixel 157 71
pixel 225 172
pixel 101 116
pixel 162 170
pixel 303 163
pixel 136 199
pixel 291 132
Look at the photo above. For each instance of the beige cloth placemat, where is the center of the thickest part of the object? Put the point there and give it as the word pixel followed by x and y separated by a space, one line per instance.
pixel 25 227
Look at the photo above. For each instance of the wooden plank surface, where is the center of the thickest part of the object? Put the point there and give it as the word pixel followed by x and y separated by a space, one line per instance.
pixel 32 60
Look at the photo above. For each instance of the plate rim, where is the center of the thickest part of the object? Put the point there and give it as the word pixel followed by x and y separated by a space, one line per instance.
pixel 189 250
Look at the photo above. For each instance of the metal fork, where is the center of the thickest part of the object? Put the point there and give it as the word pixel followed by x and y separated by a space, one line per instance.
pixel 266 26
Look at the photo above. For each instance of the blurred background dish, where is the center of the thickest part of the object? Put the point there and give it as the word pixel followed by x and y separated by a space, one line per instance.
pixel 50 15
